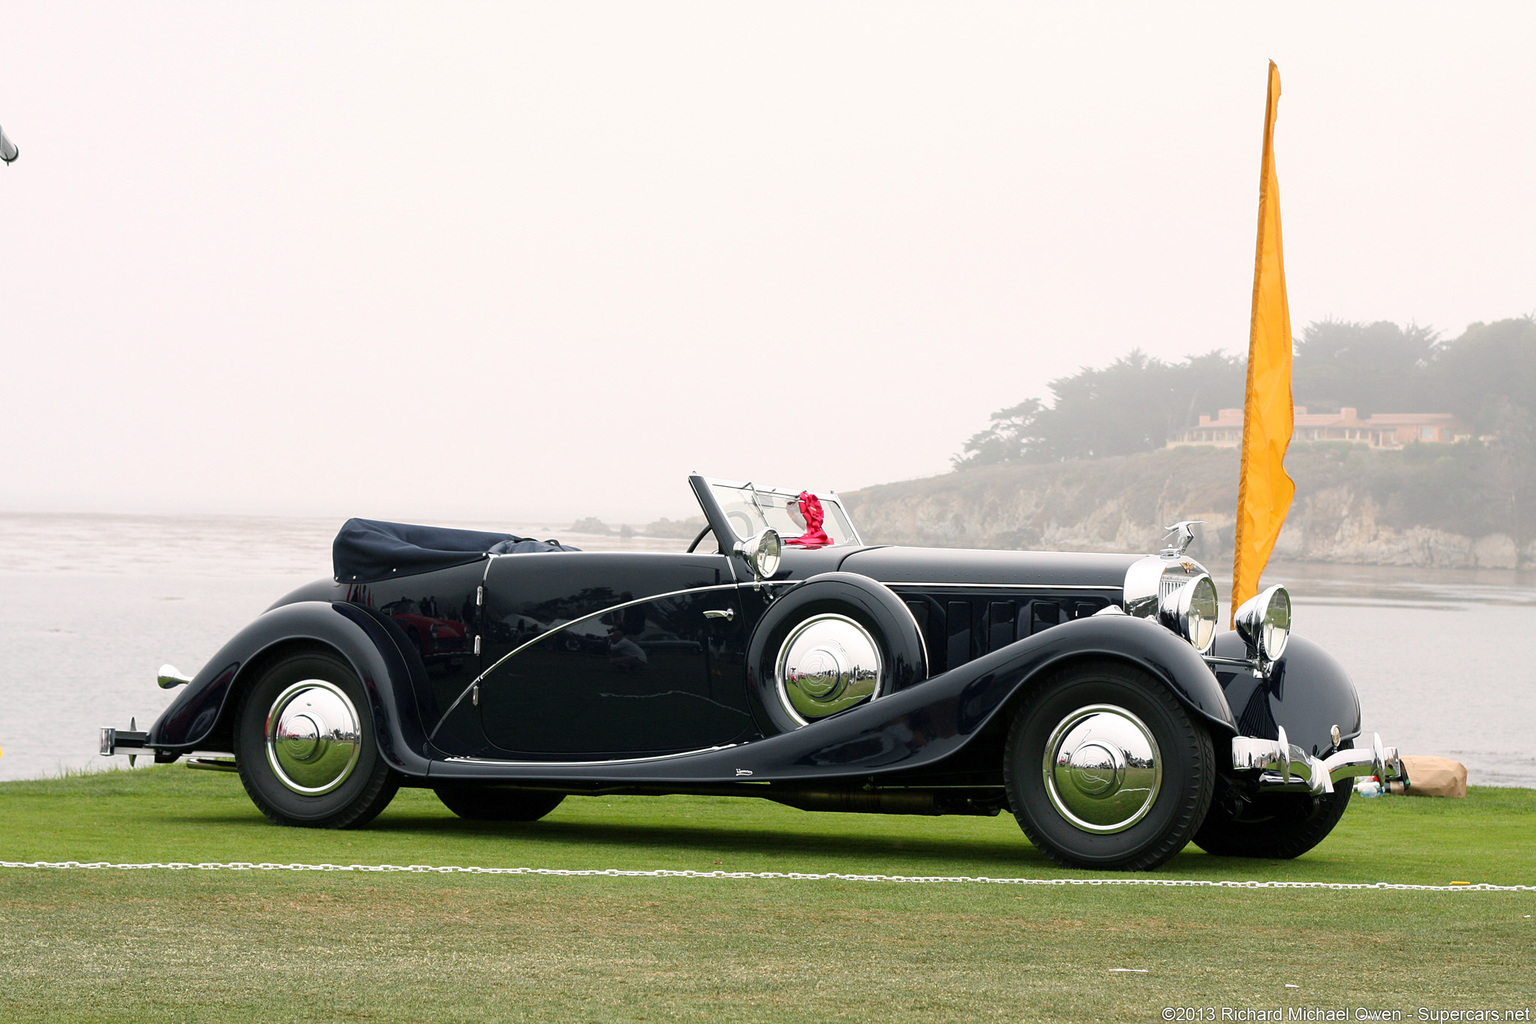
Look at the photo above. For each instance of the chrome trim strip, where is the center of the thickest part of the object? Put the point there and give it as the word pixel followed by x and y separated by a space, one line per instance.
pixel 1108 587
pixel 607 551
pixel 586 764
pixel 561 628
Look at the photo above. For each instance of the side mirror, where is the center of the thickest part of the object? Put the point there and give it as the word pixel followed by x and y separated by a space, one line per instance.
pixel 761 551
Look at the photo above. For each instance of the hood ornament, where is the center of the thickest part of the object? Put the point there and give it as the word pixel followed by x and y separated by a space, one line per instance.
pixel 1186 536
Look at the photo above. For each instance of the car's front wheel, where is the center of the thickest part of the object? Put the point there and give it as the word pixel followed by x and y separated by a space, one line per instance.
pixel 305 743
pixel 1275 825
pixel 1105 769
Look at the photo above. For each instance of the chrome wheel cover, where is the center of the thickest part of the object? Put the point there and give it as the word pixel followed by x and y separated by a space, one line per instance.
pixel 313 737
pixel 827 664
pixel 1102 768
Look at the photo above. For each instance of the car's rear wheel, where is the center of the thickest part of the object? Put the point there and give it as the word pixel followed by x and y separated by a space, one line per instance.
pixel 490 803
pixel 1105 769
pixel 306 747
pixel 1275 825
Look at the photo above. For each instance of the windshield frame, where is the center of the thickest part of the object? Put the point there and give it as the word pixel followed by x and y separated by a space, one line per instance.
pixel 753 507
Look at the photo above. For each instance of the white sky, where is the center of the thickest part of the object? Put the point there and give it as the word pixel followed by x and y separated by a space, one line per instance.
pixel 529 262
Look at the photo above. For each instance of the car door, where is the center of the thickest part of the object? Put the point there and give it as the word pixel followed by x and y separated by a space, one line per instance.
pixel 597 655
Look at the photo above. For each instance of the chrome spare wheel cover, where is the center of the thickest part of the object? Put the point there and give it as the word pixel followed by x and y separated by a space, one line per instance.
pixel 1102 768
pixel 313 737
pixel 827 664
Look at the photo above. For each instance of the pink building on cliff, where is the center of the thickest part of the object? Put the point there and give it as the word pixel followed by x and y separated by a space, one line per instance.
pixel 1383 430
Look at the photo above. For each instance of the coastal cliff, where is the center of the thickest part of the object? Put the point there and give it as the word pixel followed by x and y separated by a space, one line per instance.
pixel 1354 506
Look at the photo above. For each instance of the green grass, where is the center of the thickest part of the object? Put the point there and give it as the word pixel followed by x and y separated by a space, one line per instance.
pixel 288 946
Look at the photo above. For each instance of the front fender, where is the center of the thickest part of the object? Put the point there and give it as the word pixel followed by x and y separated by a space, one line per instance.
pixel 932 721
pixel 205 710
pixel 1307 692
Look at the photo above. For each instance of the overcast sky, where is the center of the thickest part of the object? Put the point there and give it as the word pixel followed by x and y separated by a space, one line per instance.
pixel 529 262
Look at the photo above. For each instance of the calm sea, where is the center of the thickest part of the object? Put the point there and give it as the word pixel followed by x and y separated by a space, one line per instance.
pixel 1445 661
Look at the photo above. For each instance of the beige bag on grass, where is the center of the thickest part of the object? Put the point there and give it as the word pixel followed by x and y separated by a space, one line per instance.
pixel 1434 776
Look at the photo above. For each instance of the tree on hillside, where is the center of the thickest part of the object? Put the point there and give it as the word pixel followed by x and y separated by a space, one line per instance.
pixel 1488 374
pixel 1211 382
pixel 1488 377
pixel 1114 411
pixel 1132 405
pixel 1375 368
pixel 1004 440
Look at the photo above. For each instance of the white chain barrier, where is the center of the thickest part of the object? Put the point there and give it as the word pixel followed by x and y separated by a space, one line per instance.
pixel 797 876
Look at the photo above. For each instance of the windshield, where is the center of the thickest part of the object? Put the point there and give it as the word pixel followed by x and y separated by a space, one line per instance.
pixel 750 509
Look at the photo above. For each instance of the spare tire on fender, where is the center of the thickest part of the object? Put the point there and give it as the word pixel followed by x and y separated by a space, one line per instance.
pixel 834 642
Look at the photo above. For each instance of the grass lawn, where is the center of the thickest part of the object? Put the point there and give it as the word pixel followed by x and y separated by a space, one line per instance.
pixel 300 946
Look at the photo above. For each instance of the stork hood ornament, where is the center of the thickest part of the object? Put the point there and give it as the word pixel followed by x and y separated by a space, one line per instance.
pixel 1185 531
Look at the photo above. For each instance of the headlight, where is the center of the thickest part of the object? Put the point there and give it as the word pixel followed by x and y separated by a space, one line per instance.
pixel 762 551
pixel 1264 623
pixel 1191 611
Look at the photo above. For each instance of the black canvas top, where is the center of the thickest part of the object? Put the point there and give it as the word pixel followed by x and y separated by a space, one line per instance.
pixel 368 550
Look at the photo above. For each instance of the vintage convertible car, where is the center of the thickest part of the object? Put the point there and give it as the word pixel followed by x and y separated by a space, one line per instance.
pixel 780 656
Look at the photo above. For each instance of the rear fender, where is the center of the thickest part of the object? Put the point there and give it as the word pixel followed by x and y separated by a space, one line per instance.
pixel 202 715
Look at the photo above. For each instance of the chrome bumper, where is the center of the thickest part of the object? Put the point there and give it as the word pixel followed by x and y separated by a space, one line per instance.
pixel 1283 765
pixel 128 741
pixel 124 741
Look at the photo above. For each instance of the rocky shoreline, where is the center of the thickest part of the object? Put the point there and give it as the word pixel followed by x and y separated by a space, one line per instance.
pixel 1122 504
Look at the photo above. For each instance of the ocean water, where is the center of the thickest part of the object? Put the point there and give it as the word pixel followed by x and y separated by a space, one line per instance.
pixel 1445 661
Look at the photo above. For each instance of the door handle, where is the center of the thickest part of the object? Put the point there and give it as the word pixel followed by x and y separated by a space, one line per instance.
pixel 721 613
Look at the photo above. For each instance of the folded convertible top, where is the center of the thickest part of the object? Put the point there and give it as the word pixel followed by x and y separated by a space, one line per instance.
pixel 368 550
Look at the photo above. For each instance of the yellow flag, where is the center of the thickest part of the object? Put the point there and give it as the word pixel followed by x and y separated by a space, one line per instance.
pixel 1264 490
